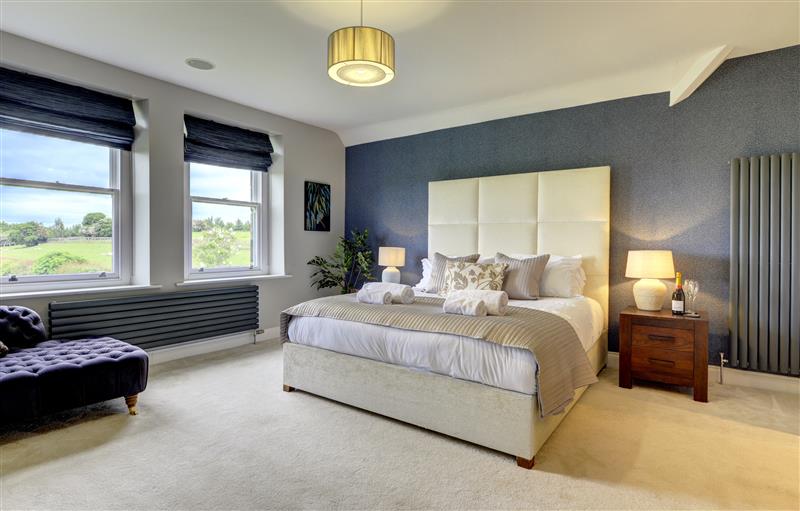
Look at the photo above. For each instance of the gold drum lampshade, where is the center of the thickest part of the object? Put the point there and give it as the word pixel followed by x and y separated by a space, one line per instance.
pixel 361 56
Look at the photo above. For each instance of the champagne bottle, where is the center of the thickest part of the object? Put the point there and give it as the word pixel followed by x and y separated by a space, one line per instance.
pixel 678 298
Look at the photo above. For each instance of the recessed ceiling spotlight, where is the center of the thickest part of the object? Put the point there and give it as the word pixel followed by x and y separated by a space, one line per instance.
pixel 200 64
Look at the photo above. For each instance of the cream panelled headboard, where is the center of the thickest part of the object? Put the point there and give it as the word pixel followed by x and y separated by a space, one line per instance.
pixel 564 212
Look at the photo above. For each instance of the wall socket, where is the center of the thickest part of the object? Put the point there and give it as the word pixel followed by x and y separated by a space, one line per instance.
pixel 259 331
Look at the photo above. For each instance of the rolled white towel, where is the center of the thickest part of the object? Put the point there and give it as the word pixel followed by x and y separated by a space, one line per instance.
pixel 401 293
pixel 496 301
pixel 375 297
pixel 464 305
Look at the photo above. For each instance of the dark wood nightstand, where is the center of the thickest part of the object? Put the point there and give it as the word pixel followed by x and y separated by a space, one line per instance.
pixel 657 346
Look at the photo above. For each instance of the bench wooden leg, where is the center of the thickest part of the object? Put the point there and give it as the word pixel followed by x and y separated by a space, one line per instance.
pixel 288 388
pixel 131 402
pixel 525 463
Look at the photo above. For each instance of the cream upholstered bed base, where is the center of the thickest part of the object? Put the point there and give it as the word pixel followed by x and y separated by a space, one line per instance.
pixel 502 420
pixel 564 212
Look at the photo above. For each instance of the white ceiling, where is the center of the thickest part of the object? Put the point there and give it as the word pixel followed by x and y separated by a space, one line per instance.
pixel 458 62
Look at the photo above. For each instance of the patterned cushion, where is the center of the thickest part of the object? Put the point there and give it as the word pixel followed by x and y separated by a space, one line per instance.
pixel 459 276
pixel 439 266
pixel 20 326
pixel 522 279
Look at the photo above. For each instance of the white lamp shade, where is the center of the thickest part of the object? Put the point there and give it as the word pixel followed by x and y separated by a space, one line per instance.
pixel 650 264
pixel 391 256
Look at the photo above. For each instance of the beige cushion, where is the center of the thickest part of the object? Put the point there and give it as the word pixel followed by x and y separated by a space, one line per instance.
pixel 439 267
pixel 460 276
pixel 522 280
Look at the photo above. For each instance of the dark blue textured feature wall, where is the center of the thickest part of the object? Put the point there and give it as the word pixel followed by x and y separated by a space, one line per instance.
pixel 669 170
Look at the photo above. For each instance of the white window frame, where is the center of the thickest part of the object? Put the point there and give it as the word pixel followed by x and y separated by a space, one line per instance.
pixel 120 190
pixel 259 190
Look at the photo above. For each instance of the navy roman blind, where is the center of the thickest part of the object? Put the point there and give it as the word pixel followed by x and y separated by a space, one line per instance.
pixel 49 107
pixel 215 143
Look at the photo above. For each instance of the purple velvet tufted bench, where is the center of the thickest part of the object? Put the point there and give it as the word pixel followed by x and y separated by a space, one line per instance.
pixel 38 377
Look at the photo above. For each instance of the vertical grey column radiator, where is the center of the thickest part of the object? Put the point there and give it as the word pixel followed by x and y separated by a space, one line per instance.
pixel 159 319
pixel 765 264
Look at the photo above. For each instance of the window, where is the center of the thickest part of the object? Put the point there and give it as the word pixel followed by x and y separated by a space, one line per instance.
pixel 225 221
pixel 226 188
pixel 62 210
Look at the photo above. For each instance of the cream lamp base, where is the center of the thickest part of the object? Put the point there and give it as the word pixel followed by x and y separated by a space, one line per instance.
pixel 649 294
pixel 392 274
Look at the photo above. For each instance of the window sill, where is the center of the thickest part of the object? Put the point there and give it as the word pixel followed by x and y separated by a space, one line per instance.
pixel 222 280
pixel 77 291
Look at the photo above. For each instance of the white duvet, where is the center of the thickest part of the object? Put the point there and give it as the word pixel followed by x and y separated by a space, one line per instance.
pixel 460 357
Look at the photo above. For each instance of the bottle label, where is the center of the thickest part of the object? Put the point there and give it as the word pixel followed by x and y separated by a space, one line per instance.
pixel 677 305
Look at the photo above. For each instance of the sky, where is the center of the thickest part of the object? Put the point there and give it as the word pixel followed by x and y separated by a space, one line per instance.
pixel 220 183
pixel 40 158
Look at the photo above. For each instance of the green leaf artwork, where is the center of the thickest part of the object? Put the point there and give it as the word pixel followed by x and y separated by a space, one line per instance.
pixel 317 206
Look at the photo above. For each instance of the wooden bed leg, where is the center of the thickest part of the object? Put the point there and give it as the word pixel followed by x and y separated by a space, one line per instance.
pixel 288 388
pixel 525 463
pixel 131 402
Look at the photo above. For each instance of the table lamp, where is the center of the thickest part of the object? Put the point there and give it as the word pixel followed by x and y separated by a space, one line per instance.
pixel 648 266
pixel 391 257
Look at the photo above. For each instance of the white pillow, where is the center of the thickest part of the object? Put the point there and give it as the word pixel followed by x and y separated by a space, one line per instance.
pixel 425 281
pixel 563 277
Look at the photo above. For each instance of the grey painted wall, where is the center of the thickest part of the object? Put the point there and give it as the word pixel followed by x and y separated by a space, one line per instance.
pixel 669 177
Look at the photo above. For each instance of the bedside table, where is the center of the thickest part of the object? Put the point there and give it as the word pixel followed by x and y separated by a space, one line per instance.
pixel 657 346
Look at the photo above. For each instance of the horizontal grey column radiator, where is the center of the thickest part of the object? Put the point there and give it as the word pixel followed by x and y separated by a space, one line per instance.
pixel 765 264
pixel 159 319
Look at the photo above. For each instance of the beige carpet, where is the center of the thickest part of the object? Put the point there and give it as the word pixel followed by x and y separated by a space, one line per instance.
pixel 217 432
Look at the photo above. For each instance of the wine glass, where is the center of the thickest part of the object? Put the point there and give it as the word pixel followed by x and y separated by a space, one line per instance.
pixel 691 288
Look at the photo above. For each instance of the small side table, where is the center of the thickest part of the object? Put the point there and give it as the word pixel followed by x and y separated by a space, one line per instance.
pixel 657 346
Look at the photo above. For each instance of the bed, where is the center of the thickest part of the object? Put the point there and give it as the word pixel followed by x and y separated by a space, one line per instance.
pixel 464 387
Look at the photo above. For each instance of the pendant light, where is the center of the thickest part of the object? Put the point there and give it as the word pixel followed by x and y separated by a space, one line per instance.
pixel 361 56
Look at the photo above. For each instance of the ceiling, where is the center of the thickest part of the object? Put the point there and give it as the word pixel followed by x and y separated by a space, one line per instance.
pixel 458 62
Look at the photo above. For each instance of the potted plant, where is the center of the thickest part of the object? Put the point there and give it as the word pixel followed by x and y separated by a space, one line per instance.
pixel 349 266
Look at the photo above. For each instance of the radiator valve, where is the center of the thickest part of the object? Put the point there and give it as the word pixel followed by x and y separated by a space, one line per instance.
pixel 722 361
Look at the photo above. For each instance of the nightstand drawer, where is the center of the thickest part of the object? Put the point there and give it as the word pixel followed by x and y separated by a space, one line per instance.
pixel 659 346
pixel 662 338
pixel 665 365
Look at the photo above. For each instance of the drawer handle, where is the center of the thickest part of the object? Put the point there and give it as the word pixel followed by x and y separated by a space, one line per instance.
pixel 663 363
pixel 667 338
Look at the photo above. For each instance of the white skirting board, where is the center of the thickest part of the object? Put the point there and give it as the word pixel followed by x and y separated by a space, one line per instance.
pixel 269 334
pixel 733 376
pixel 190 349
